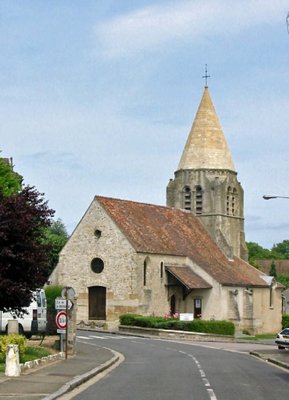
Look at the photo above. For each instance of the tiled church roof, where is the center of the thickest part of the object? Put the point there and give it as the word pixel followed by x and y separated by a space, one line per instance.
pixel 163 230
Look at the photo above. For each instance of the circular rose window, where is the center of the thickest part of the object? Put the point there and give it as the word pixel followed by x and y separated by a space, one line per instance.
pixel 97 265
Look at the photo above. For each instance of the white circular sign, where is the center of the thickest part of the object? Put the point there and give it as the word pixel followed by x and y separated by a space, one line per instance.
pixel 60 320
pixel 68 293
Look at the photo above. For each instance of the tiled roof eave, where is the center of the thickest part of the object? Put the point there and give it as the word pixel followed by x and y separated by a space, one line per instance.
pixel 242 284
pixel 201 283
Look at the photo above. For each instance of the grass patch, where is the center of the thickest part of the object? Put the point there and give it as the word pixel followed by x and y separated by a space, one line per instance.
pixel 32 353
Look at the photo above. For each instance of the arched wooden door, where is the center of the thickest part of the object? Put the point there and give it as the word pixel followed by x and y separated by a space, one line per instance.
pixel 97 302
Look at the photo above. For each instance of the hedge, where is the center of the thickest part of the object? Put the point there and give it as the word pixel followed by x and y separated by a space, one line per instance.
pixel 198 325
pixel 285 321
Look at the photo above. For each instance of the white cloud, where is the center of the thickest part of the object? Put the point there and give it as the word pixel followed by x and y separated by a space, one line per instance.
pixel 149 27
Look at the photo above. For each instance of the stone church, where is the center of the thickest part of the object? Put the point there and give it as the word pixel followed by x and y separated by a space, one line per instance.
pixel 187 257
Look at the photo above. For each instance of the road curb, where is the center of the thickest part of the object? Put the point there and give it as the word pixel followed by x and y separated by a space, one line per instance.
pixel 279 363
pixel 80 379
pixel 41 362
pixel 270 360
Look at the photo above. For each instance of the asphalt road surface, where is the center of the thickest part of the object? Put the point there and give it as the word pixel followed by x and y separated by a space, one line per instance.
pixel 168 370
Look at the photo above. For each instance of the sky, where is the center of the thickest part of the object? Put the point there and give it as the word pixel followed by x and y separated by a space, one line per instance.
pixel 98 98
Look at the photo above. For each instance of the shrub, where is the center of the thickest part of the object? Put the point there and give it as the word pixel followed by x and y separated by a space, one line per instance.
pixel 198 325
pixel 128 319
pixel 52 292
pixel 285 321
pixel 13 339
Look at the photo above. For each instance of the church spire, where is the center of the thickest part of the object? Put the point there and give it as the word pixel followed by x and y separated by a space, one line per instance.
pixel 206 182
pixel 206 145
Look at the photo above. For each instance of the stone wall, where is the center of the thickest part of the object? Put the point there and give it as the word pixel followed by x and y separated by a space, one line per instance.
pixel 221 205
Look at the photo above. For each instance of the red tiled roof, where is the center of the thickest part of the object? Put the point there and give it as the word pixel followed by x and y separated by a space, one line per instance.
pixel 164 230
pixel 188 277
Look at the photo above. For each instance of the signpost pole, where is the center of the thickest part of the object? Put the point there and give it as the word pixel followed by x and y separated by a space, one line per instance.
pixel 66 336
pixel 61 342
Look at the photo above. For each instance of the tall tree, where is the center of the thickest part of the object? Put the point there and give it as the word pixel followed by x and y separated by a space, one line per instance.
pixel 56 236
pixel 24 260
pixel 273 271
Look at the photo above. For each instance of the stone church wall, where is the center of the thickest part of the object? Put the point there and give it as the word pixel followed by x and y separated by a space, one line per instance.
pixel 97 236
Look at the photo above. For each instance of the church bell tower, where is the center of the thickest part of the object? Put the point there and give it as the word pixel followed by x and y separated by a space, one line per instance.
pixel 206 184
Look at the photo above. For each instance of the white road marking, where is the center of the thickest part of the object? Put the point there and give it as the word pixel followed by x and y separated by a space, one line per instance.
pixel 204 379
pixel 212 394
pixel 206 382
pixel 83 337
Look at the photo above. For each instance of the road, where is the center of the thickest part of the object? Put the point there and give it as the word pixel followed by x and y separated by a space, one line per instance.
pixel 167 370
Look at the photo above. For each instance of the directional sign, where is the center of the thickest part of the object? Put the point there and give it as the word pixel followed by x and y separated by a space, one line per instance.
pixel 60 304
pixel 60 320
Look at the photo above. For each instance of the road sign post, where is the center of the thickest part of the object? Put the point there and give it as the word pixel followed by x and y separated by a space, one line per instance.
pixel 66 306
pixel 61 323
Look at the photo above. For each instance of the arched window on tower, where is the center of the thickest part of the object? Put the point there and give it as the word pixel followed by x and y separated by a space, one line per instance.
pixel 199 199
pixel 232 201
pixel 228 201
pixel 187 198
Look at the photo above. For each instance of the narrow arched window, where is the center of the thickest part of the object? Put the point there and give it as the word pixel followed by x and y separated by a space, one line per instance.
pixel 187 198
pixel 199 199
pixel 162 270
pixel 144 273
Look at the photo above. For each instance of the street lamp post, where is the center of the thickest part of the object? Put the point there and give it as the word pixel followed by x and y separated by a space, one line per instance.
pixel 269 197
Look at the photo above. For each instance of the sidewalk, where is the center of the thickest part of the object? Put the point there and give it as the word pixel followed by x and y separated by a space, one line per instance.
pixel 277 357
pixel 51 381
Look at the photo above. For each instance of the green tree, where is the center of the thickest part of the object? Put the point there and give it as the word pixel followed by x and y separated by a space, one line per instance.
pixel 284 279
pixel 24 262
pixel 273 271
pixel 282 249
pixel 257 252
pixel 55 236
pixel 10 181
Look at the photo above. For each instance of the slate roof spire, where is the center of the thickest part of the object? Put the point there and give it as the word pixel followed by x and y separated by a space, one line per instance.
pixel 206 146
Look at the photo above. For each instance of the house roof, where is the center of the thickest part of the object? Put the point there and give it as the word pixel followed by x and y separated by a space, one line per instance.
pixel 164 230
pixel 206 146
pixel 188 277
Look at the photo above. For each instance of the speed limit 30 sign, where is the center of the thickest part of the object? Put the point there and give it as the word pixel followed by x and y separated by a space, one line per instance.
pixel 60 320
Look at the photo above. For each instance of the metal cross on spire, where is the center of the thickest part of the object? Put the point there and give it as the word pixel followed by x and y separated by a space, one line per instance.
pixel 206 76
